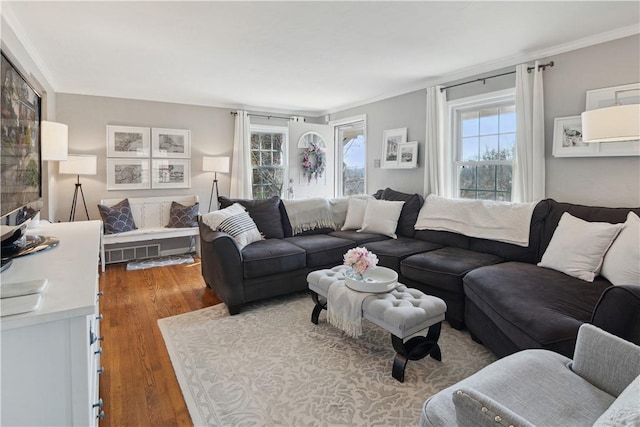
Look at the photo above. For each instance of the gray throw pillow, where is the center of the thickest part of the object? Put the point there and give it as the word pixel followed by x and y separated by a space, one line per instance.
pixel 117 218
pixel 265 213
pixel 181 216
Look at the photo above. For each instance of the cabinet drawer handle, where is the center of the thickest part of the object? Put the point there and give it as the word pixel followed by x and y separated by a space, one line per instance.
pixel 98 351
pixel 92 338
pixel 99 404
pixel 100 294
pixel 99 317
pixel 100 415
pixel 101 370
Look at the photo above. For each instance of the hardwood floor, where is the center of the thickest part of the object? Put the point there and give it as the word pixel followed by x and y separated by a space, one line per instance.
pixel 139 386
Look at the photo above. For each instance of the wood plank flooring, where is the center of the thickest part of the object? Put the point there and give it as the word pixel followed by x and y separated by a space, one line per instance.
pixel 139 386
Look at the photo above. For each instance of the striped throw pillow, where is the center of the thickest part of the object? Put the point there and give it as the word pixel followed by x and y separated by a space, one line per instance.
pixel 234 221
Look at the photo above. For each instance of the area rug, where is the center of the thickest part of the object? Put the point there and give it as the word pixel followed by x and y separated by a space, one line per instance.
pixel 269 365
pixel 159 262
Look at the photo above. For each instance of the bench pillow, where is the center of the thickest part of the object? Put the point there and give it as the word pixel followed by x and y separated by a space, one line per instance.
pixel 265 213
pixel 117 218
pixel 181 216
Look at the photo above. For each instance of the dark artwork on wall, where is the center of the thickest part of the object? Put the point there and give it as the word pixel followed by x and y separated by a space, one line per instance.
pixel 20 167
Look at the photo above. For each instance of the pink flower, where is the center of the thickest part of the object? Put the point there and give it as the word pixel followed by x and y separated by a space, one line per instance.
pixel 360 259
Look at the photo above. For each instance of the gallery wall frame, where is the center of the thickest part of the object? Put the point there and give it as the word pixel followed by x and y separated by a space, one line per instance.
pixel 171 173
pixel 128 141
pixel 408 155
pixel 128 174
pixel 171 143
pixel 567 138
pixel 391 139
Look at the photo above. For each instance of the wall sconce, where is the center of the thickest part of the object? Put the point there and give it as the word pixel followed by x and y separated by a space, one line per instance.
pixel 215 165
pixel 612 124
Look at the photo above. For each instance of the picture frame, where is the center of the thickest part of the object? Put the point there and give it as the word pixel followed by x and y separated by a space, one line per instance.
pixel 567 138
pixel 408 155
pixel 128 141
pixel 128 174
pixel 171 173
pixel 606 97
pixel 171 143
pixel 391 139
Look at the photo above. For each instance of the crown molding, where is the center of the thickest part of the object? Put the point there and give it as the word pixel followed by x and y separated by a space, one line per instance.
pixel 15 26
pixel 491 66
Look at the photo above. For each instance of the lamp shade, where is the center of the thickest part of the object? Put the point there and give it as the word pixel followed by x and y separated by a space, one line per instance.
pixel 611 124
pixel 79 164
pixel 55 140
pixel 215 164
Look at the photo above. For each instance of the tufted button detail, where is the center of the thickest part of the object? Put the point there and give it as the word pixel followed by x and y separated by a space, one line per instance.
pixel 498 418
pixel 484 409
pixel 459 393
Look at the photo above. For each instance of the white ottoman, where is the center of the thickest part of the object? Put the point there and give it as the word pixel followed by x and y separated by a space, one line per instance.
pixel 402 312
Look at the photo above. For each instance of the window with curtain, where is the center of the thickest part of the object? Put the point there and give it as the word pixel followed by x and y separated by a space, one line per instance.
pixel 268 160
pixel 483 134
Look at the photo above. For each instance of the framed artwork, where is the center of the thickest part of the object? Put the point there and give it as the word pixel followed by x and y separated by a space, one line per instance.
pixel 127 141
pixel 567 138
pixel 391 139
pixel 128 174
pixel 171 173
pixel 606 97
pixel 171 143
pixel 408 155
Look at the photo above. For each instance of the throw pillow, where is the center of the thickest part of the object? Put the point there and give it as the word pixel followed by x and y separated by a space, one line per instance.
pixel 381 217
pixel 181 216
pixel 117 218
pixel 235 221
pixel 355 213
pixel 265 213
pixel 621 264
pixel 577 247
pixel 410 210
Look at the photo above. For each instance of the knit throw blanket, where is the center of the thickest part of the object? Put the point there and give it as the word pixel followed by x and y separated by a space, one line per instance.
pixel 309 214
pixel 344 308
pixel 500 221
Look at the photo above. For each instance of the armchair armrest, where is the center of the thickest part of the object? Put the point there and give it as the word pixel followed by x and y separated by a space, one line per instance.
pixel 476 409
pixel 605 360
pixel 618 312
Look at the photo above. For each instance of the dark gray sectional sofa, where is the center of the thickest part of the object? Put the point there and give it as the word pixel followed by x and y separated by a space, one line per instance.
pixel 494 289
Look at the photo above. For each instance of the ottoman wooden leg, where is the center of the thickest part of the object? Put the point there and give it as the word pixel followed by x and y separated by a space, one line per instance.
pixel 317 308
pixel 415 349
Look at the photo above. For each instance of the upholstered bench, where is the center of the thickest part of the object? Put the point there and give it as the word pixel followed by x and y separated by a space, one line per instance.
pixel 403 312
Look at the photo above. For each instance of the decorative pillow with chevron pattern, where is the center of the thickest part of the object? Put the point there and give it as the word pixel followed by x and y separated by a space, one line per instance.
pixel 117 218
pixel 181 216
pixel 234 221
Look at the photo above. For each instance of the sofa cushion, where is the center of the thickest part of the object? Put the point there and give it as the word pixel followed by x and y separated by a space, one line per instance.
pixel 235 221
pixel 624 410
pixel 361 238
pixel 621 264
pixel 265 213
pixel 271 256
pixel 381 217
pixel 444 268
pixel 322 249
pixel 534 306
pixel 390 252
pixel 410 210
pixel 355 213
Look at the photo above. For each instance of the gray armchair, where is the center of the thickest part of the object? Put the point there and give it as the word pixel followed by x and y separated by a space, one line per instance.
pixel 600 386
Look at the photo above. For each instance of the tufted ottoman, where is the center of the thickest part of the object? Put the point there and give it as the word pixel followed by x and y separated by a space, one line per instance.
pixel 402 312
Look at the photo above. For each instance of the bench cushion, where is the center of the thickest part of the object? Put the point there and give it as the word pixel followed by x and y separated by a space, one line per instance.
pixel 321 249
pixel 117 218
pixel 271 256
pixel 390 252
pixel 181 216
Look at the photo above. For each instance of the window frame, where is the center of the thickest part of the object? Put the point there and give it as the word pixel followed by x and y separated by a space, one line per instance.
pixel 271 129
pixel 338 149
pixel 454 110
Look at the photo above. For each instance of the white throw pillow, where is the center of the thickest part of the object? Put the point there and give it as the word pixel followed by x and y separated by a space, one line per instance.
pixel 381 217
pixel 235 221
pixel 577 247
pixel 621 264
pixel 355 213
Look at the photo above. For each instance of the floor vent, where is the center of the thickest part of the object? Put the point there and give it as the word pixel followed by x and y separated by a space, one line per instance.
pixel 131 253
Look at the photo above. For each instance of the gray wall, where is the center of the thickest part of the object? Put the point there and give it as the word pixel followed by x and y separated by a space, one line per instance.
pixel 603 181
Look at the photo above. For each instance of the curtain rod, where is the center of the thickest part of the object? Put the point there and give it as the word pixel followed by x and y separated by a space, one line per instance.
pixel 233 113
pixel 484 79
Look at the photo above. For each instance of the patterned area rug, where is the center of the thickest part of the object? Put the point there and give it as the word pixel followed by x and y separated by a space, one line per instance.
pixel 269 365
pixel 159 262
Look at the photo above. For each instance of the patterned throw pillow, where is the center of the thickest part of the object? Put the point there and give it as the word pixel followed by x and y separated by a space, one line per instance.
pixel 181 216
pixel 234 221
pixel 117 218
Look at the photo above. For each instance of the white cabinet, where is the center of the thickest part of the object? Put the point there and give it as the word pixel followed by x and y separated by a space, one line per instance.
pixel 50 357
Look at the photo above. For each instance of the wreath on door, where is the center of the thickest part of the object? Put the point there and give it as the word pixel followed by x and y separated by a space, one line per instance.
pixel 313 162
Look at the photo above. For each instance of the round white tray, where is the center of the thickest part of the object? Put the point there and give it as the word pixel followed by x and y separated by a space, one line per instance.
pixel 377 280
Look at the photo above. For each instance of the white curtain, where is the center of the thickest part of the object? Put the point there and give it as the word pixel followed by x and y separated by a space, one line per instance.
pixel 437 179
pixel 241 163
pixel 529 172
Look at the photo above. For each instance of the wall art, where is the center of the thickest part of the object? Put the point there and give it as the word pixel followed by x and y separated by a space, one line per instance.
pixel 127 141
pixel 128 174
pixel 391 139
pixel 171 173
pixel 171 143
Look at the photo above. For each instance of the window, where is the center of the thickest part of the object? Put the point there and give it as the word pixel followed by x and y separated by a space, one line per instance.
pixel 268 160
pixel 484 138
pixel 352 154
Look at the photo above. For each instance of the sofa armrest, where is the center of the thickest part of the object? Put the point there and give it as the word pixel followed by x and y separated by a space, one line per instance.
pixel 476 409
pixel 618 312
pixel 605 360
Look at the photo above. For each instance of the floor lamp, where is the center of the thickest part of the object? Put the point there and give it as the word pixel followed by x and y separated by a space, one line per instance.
pixel 215 165
pixel 78 164
pixel 54 139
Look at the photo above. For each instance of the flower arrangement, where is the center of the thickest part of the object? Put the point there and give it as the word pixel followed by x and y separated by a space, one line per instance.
pixel 313 162
pixel 360 260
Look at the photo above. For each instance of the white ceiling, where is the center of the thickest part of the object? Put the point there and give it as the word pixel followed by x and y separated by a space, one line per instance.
pixel 305 57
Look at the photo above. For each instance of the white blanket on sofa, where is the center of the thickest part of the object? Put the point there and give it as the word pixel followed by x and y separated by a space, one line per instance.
pixel 501 221
pixel 309 214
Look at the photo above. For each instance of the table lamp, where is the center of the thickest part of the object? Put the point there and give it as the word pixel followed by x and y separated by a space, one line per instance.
pixel 78 164
pixel 215 165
